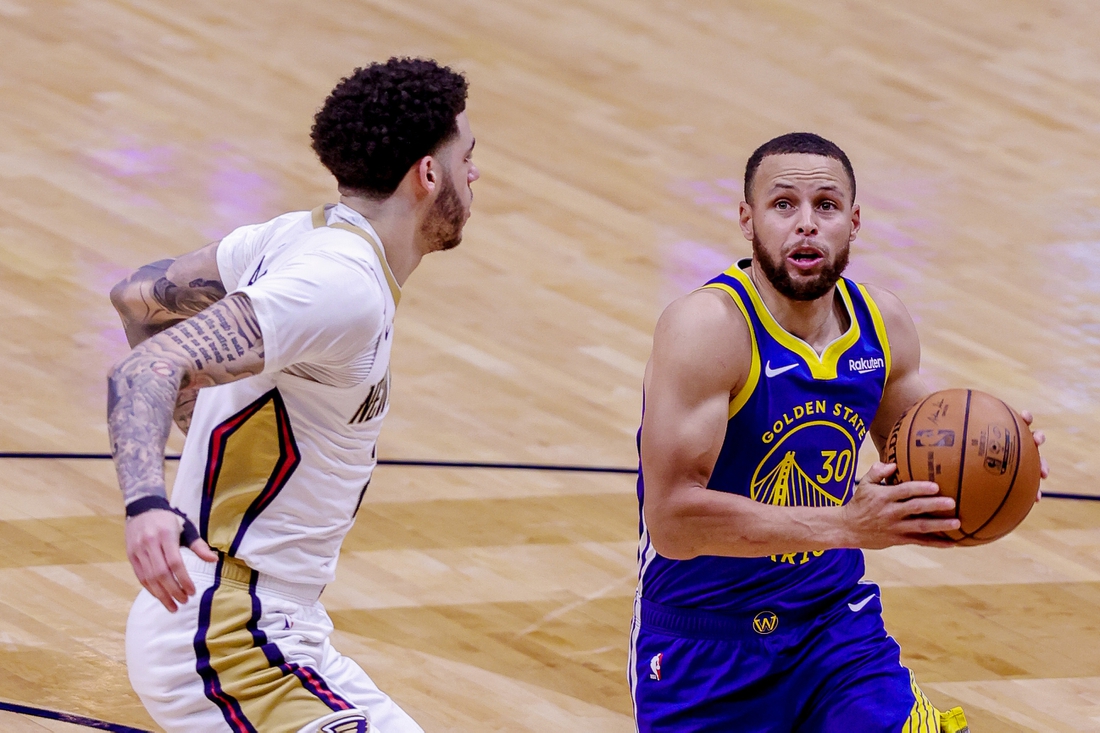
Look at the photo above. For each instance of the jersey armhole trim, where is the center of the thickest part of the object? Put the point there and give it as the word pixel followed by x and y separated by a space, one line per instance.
pixel 319 221
pixel 742 397
pixel 880 328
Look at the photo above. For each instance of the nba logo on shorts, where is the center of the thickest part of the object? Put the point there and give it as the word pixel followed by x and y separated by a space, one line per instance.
pixel 655 667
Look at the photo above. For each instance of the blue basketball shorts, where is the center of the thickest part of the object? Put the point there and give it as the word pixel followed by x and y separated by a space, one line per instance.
pixel 830 670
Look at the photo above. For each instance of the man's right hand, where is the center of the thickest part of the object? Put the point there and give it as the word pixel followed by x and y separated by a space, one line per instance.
pixel 153 546
pixel 881 516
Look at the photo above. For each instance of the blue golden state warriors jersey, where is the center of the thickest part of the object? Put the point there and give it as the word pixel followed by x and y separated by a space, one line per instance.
pixel 792 439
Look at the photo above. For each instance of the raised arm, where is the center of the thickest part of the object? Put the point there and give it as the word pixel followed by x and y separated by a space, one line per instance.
pixel 218 345
pixel 701 354
pixel 164 293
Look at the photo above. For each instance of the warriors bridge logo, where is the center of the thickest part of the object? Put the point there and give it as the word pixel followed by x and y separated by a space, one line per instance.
pixel 798 472
pixel 811 462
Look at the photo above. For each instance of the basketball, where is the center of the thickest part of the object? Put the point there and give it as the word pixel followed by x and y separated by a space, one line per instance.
pixel 979 451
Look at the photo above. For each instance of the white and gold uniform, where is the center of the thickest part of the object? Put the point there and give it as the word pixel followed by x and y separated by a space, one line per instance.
pixel 273 471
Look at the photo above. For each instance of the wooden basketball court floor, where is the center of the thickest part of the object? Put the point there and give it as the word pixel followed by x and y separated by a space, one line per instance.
pixel 611 138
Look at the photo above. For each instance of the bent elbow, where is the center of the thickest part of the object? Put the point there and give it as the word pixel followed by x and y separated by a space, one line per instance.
pixel 119 298
pixel 672 550
pixel 668 539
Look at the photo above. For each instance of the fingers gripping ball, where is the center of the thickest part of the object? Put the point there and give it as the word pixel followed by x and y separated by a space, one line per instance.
pixel 979 451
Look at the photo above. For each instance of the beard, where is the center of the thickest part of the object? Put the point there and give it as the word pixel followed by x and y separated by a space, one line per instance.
pixel 805 289
pixel 442 227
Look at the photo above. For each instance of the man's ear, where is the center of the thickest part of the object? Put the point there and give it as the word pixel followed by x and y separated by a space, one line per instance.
pixel 745 220
pixel 427 174
pixel 855 223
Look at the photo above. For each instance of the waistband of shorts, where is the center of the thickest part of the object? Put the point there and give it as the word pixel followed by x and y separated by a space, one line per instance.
pixel 695 623
pixel 237 573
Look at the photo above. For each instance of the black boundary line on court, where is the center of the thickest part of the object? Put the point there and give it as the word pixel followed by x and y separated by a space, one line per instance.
pixel 68 718
pixel 381 462
pixel 456 464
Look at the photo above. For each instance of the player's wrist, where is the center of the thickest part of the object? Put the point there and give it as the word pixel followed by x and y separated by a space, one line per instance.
pixel 147 503
pixel 188 532
pixel 838 532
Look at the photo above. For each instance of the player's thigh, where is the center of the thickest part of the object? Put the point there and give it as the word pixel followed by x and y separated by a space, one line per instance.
pixel 706 686
pixel 160 660
pixel 356 686
pixel 858 680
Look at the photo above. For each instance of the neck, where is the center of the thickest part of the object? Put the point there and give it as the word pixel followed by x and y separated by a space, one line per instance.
pixel 818 322
pixel 396 224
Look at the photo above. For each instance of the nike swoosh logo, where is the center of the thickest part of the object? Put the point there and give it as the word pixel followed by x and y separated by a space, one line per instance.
pixel 769 372
pixel 857 607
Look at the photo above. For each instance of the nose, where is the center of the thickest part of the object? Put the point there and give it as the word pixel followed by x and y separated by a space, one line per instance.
pixel 807 222
pixel 473 175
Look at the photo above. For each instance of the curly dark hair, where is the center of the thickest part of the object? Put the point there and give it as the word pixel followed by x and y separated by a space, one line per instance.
pixel 797 142
pixel 383 118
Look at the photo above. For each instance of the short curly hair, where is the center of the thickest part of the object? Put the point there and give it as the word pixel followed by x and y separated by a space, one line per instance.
pixel 383 118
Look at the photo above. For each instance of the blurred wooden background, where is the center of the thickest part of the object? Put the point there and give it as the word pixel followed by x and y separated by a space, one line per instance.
pixel 612 137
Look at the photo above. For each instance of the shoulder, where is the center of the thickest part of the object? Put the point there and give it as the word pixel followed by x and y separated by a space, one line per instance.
pixel 705 313
pixel 341 246
pixel 703 331
pixel 267 230
pixel 895 316
pixel 901 332
pixel 322 277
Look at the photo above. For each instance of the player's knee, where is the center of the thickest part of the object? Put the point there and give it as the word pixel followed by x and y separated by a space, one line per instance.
pixel 345 721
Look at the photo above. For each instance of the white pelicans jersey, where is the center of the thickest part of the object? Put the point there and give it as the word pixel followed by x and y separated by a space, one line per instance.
pixel 275 465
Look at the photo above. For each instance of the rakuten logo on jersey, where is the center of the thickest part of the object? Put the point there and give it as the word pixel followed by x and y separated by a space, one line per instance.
pixel 865 365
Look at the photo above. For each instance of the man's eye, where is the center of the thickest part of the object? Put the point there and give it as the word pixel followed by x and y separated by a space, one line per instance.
pixel 828 205
pixel 783 205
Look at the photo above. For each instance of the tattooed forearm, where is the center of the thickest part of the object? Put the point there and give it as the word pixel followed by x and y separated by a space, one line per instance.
pixel 141 396
pixel 163 375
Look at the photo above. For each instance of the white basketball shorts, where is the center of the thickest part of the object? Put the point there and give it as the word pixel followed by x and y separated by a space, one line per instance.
pixel 249 654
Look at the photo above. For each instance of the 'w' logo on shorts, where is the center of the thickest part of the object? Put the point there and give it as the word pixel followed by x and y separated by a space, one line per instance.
pixel 765 622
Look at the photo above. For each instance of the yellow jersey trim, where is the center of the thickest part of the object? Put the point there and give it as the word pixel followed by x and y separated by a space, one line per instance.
pixel 880 328
pixel 746 391
pixel 319 221
pixel 823 366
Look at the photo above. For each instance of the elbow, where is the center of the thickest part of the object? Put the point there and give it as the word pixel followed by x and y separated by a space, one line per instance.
pixel 119 298
pixel 670 548
pixel 669 535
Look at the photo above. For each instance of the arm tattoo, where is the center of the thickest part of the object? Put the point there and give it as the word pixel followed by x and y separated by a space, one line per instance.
pixel 219 345
pixel 137 391
pixel 187 300
pixel 157 296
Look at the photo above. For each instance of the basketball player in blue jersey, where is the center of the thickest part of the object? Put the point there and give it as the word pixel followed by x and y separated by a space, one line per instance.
pixel 751 614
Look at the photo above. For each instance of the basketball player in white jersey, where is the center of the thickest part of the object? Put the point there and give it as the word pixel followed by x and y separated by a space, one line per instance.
pixel 271 349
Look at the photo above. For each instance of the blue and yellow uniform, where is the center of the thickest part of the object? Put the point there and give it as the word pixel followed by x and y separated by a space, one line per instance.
pixel 791 642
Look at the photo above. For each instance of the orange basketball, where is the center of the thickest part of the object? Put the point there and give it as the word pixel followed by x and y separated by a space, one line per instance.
pixel 981 454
